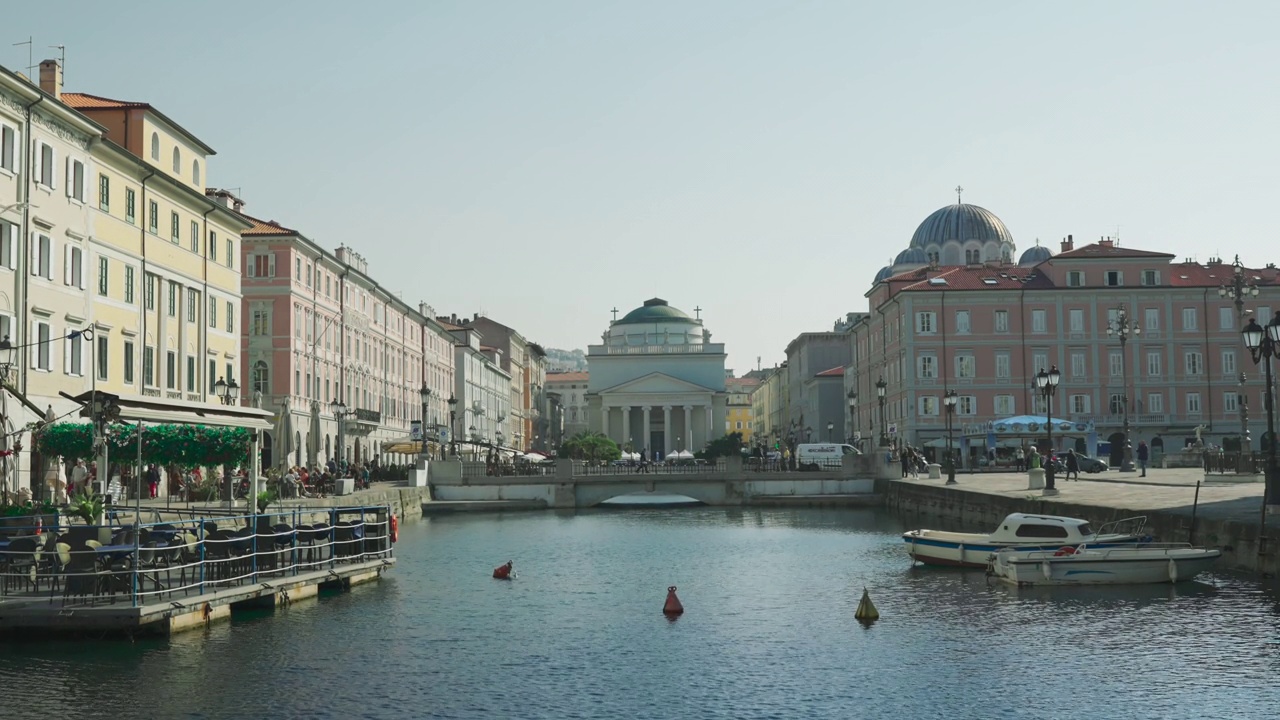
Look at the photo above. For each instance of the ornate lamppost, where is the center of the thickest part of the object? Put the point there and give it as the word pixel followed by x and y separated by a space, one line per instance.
pixel 1121 327
pixel 1264 345
pixel 340 414
pixel 1239 288
pixel 1047 384
pixel 884 434
pixel 453 415
pixel 949 400
pixel 424 393
pixel 229 394
pixel 853 416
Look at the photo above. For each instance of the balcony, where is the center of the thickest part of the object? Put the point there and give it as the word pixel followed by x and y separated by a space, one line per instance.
pixel 363 422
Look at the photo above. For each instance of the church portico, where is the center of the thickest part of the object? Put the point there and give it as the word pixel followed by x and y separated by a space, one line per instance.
pixel 657 382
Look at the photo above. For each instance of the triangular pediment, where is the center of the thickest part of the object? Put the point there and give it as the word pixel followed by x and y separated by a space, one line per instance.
pixel 658 383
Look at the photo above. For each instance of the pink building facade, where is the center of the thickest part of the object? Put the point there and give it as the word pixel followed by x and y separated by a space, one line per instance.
pixel 985 328
pixel 319 329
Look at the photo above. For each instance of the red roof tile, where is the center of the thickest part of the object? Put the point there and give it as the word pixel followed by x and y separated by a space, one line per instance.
pixel 266 227
pixel 567 377
pixel 976 277
pixel 1108 251
pixel 833 372
pixel 1191 274
pixel 85 101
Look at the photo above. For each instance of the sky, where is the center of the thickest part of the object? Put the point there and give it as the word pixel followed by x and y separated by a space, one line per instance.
pixel 542 163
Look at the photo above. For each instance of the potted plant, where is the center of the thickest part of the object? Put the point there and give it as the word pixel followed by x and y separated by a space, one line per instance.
pixel 264 499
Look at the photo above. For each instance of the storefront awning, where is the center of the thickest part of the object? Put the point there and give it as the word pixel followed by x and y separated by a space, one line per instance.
pixel 158 410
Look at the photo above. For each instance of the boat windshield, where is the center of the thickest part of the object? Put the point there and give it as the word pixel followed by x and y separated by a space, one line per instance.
pixel 1085 530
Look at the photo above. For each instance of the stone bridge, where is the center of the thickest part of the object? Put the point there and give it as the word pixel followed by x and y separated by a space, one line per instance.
pixel 570 486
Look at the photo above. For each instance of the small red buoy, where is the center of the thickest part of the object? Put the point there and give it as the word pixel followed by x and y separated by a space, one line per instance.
pixel 502 572
pixel 672 606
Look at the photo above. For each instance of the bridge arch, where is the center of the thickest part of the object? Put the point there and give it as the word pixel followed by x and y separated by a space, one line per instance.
pixel 592 493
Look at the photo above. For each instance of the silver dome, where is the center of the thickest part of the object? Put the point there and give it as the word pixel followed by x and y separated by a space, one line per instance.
pixel 960 223
pixel 885 272
pixel 1034 255
pixel 912 256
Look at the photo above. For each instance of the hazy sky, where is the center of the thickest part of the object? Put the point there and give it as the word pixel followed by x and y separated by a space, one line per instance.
pixel 543 162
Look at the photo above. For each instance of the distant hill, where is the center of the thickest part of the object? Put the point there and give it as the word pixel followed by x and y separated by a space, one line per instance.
pixel 566 360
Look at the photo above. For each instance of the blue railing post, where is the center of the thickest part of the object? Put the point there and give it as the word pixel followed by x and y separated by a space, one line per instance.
pixel 200 529
pixel 253 562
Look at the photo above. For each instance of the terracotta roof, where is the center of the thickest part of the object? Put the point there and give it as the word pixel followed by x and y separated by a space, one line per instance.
pixel 833 372
pixel 958 277
pixel 266 227
pixel 567 377
pixel 448 325
pixel 85 101
pixel 1193 274
pixel 1108 251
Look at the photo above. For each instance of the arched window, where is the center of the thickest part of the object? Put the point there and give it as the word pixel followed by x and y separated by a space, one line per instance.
pixel 972 257
pixel 933 257
pixel 177 161
pixel 195 172
pixel 155 146
pixel 261 378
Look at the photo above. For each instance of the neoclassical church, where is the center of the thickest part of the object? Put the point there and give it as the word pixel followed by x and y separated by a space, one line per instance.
pixel 657 381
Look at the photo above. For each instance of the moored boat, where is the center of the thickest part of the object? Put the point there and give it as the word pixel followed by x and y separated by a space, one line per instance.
pixel 1116 565
pixel 1021 531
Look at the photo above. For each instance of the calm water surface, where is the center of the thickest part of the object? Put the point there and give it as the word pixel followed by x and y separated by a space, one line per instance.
pixel 768 633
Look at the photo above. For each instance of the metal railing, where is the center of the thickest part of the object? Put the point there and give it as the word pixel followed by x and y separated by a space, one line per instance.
pixel 138 563
pixel 622 467
pixel 1246 463
pixel 472 469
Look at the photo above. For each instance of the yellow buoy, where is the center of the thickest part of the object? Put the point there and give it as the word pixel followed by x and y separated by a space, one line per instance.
pixel 866 611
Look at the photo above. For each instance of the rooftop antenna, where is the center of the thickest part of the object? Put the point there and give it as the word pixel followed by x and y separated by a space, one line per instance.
pixel 1117 236
pixel 62 56
pixel 31 63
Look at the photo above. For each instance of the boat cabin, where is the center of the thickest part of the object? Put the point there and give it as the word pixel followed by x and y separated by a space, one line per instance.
pixel 1024 528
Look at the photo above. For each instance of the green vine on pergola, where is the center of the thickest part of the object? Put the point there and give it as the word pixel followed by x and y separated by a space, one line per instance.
pixel 181 445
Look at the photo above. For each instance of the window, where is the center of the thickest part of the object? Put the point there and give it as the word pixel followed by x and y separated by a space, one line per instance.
pixel 1004 405
pixel 1079 404
pixel 177 161
pixel 102 275
pixel 149 366
pixel 155 147
pixel 297 268
pixel 1115 403
pixel 1193 403
pixel 45 174
pixel 195 172
pixel 1151 320
pixel 1153 363
pixel 8 148
pixel 173 299
pixel 1226 318
pixel 171 369
pixel 195 236
pixel 213 312
pixel 966 405
pixel 309 278
pixel 149 291
pixel 962 322
pixel 1194 362
pixel 43 252
pixel 192 298
pixel 261 378
pixel 1189 318
pixel 73 269
pixel 1230 402
pixel 260 322
pixel 1041 531
pixel 8 234
pixel 103 356
pixel 153 219
pixel 1039 361
pixel 1228 362
pixel 1264 315
pixel 1075 278
pixel 926 323
pixel 1038 321
pixel 40 351
pixel 213 374
pixel 104 193
pixel 230 249
pixel 262 265
pixel 191 373
pixel 1155 403
pixel 175 229
pixel 75 180
pixel 965 366
pixel 927 367
pixel 1078 367
pixel 231 317
pixel 928 405
pixel 1150 277
pixel 74 354
pixel 1002 365
pixel 1114 278
pixel 128 362
pixel 130 205
pixel 1115 362
pixel 1075 320
pixel 213 246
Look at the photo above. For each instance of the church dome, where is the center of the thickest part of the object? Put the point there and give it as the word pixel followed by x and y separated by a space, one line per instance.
pixel 885 273
pixel 1035 255
pixel 912 256
pixel 655 310
pixel 960 223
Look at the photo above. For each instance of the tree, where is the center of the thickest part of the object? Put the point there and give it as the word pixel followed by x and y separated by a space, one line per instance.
pixel 590 446
pixel 724 446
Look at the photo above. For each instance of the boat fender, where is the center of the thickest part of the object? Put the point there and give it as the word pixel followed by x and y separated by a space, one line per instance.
pixel 1064 550
pixel 395 529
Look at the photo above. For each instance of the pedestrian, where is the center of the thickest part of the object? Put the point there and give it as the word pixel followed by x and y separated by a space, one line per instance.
pixel 1143 455
pixel 1020 460
pixel 904 458
pixel 153 480
pixel 1073 464
pixel 79 476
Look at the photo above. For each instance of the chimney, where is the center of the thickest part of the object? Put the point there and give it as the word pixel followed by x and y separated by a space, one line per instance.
pixel 1068 244
pixel 51 77
pixel 1106 242
pixel 225 198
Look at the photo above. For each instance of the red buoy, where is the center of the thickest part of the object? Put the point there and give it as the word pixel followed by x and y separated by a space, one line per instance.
pixel 672 606
pixel 502 572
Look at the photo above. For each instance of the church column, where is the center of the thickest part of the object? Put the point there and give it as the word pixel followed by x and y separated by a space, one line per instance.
pixel 644 436
pixel 688 429
pixel 666 430
pixel 708 409
pixel 626 425
pixel 604 417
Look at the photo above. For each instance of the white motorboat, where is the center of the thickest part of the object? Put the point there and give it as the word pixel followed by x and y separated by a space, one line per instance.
pixel 1020 531
pixel 1089 565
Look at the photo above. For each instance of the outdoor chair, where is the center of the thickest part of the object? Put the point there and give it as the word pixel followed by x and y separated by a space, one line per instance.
pixel 60 560
pixel 320 538
pixel 150 558
pixel 20 566
pixel 83 577
pixel 282 539
pixel 217 555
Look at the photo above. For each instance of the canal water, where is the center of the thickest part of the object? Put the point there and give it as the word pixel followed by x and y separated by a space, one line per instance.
pixel 768 632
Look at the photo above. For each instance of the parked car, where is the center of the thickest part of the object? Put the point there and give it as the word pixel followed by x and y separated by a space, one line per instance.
pixel 1092 465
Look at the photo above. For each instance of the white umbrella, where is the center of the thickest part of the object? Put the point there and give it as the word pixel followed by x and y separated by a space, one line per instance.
pixel 534 457
pixel 313 437
pixel 284 435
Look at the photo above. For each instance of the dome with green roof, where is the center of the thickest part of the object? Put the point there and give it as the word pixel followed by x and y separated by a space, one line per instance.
pixel 655 311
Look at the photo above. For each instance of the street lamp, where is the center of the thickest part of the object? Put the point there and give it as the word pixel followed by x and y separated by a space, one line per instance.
pixel 853 414
pixel 424 393
pixel 227 392
pixel 884 434
pixel 453 438
pixel 830 427
pixel 950 400
pixel 1122 327
pixel 1264 345
pixel 1238 289
pixel 1047 384
pixel 340 414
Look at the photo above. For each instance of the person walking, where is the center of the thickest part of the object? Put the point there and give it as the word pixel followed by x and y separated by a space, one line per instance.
pixel 1021 460
pixel 1073 464
pixel 1143 455
pixel 153 480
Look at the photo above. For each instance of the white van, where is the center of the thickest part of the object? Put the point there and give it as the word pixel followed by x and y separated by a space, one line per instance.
pixel 822 456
